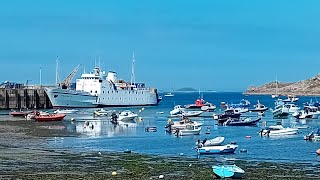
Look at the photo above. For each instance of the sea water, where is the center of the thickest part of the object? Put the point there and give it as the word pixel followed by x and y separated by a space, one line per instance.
pixel 104 136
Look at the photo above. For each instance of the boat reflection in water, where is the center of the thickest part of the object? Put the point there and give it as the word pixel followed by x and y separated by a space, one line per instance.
pixel 104 127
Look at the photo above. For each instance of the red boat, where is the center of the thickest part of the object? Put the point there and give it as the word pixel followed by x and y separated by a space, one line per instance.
pixel 50 117
pixel 19 113
pixel 201 104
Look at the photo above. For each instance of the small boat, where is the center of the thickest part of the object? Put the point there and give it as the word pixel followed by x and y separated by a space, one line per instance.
pixel 229 148
pixel 211 142
pixel 190 113
pixel 313 136
pixel 280 111
pixel 50 117
pixel 65 111
pixel 182 124
pixel 127 116
pixel 228 171
pixel 190 129
pixel 278 130
pixel 291 99
pixel 242 104
pixel 259 108
pixel 177 110
pixel 201 104
pixel 20 113
pixel 293 108
pixel 102 112
pixel 241 122
pixel 308 112
pixel 169 94
pixel 228 113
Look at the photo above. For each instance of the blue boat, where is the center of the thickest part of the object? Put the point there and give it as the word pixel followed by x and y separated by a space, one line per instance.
pixel 228 171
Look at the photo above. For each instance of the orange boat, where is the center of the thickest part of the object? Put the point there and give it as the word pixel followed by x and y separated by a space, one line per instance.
pixel 50 117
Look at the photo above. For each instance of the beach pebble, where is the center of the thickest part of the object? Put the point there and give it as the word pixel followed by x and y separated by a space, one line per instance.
pixel 318 151
pixel 114 173
pixel 161 176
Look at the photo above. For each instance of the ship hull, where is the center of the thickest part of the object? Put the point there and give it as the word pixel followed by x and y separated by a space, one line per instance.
pixel 74 99
pixel 71 99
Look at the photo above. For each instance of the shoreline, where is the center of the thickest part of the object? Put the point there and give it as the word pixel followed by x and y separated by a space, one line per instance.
pixel 24 155
pixel 282 94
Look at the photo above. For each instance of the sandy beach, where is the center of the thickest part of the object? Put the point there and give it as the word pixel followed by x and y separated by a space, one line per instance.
pixel 24 155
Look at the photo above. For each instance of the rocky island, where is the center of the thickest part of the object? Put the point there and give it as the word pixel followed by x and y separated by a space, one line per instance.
pixel 309 87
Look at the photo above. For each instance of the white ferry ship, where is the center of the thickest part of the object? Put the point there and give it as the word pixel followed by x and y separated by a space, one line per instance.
pixel 100 89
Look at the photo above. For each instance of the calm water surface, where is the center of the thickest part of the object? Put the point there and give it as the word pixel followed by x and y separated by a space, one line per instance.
pixel 107 137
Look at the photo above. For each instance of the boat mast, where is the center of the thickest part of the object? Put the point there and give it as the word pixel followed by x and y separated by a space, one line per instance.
pixel 40 75
pixel 276 85
pixel 132 70
pixel 57 75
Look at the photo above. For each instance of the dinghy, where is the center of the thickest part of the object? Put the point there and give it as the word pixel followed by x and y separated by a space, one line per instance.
pixel 211 142
pixel 65 111
pixel 228 171
pixel 229 148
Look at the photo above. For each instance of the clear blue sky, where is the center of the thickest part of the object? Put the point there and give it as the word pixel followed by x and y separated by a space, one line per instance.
pixel 221 45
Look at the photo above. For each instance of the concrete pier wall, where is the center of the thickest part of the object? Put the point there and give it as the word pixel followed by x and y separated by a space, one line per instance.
pixel 25 98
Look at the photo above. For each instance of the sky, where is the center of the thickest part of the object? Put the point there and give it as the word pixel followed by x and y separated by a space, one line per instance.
pixel 223 45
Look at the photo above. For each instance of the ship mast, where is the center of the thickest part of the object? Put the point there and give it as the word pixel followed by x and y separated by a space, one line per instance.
pixel 57 75
pixel 132 70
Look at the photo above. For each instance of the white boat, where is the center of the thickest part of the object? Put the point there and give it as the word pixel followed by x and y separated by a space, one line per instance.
pixel 127 116
pixel 182 124
pixel 169 94
pixel 280 111
pixel 103 112
pixel 293 108
pixel 311 112
pixel 241 110
pixel 190 113
pixel 190 129
pixel 259 108
pixel 65 111
pixel 229 148
pixel 276 94
pixel 211 142
pixel 278 130
pixel 291 99
pixel 177 110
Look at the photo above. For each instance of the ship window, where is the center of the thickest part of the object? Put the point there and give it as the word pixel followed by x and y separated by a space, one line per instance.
pixel 91 91
pixel 96 91
pixel 136 92
pixel 103 92
pixel 108 92
pixel 142 93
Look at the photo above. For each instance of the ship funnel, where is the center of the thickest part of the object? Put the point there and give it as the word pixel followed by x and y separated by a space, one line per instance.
pixel 112 76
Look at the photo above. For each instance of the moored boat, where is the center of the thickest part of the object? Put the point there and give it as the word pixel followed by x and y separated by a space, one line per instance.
pixel 127 116
pixel 280 111
pixel 50 117
pixel 259 108
pixel 228 113
pixel 190 129
pixel 66 111
pixel 229 148
pixel 311 112
pixel 20 113
pixel 278 130
pixel 241 122
pixel 228 171
pixel 211 142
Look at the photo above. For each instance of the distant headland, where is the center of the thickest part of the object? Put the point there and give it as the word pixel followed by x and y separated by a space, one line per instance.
pixel 186 89
pixel 308 87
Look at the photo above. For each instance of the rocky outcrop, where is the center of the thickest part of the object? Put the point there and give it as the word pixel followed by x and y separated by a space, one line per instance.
pixel 309 87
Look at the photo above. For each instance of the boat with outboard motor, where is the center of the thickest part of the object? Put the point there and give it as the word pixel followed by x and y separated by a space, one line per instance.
pixel 49 117
pixel 291 98
pixel 201 104
pixel 210 142
pixel 311 112
pixel 278 130
pixel 174 127
pixel 313 136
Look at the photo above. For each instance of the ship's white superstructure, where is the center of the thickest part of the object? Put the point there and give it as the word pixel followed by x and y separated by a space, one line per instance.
pixel 100 89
